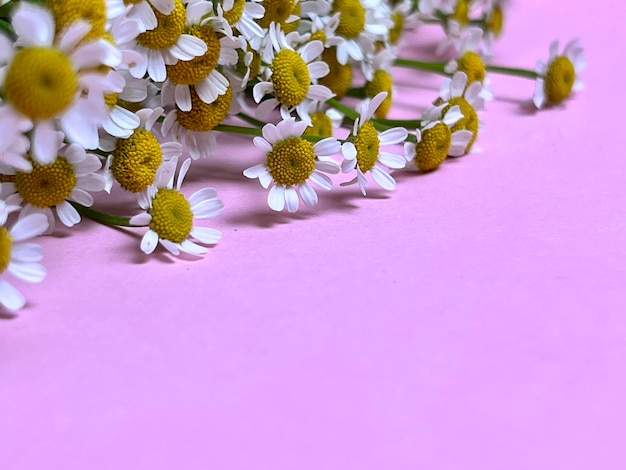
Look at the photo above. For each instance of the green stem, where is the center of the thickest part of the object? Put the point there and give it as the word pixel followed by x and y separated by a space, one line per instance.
pixel 436 67
pixel 356 92
pixel 517 72
pixel 347 111
pixel 250 120
pixel 106 219
pixel 239 129
pixel 406 123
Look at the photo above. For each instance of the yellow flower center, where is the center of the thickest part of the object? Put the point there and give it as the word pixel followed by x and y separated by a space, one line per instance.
pixel 398 27
pixel 110 99
pixel 433 148
pixel 292 25
pixel 136 159
pixel 41 82
pixel 168 30
pixel 67 11
pixel 190 72
pixel 276 11
pixel 205 116
pixel 351 18
pixel 234 14
pixel 319 35
pixel 46 185
pixel 290 77
pixel 291 161
pixel 461 12
pixel 339 77
pixel 172 218
pixel 469 121
pixel 473 66
pixel 5 249
pixel 367 146
pixel 495 22
pixel 381 81
pixel 559 79
pixel 321 125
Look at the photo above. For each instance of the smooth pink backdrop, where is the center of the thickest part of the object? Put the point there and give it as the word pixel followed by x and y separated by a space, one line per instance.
pixel 472 319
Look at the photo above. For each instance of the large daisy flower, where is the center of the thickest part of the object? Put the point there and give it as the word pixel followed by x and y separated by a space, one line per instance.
pixel 169 215
pixel 69 177
pixel 18 256
pixel 362 151
pixel 292 163
pixel 54 85
pixel 557 78
pixel 291 77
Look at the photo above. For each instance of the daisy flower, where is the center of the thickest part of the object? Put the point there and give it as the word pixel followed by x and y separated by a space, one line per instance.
pixel 379 79
pixel 166 44
pixel 436 140
pixel 292 163
pixel 362 151
pixel 144 11
pixel 134 161
pixel 456 91
pixel 241 15
pixel 557 78
pixel 170 216
pixel 69 177
pixel 292 76
pixel 18 256
pixel 54 85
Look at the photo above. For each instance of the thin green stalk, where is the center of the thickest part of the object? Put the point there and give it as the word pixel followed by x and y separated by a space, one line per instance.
pixel 255 131
pixel 250 120
pixel 436 67
pixel 406 123
pixel 517 72
pixel 98 216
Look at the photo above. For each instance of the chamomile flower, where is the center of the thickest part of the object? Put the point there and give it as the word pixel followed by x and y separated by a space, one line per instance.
pixel 456 91
pixel 53 84
pixel 471 60
pixel 362 151
pixel 292 163
pixel 292 76
pixel 379 79
pixel 70 177
pixel 557 78
pixel 241 15
pixel 145 11
pixel 323 120
pixel 18 256
pixel 170 215
pixel 166 44
pixel 436 140
pixel 135 160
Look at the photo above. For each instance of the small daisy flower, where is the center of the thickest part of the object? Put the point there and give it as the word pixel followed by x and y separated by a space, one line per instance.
pixel 135 160
pixel 279 12
pixel 436 140
pixel 456 91
pixel 379 79
pixel 292 163
pixel 53 84
pixel 166 44
pixel 241 15
pixel 170 216
pixel 362 151
pixel 292 76
pixel 557 78
pixel 18 256
pixel 70 177
pixel 323 120
pixel 145 11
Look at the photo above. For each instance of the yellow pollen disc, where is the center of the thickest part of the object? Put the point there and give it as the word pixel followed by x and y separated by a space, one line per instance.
pixel 111 99
pixel 67 11
pixel 133 2
pixel 339 77
pixel 321 125
pixel 136 159
pixel 190 72
pixel 473 66
pixel 205 116
pixel 46 185
pixel 381 81
pixel 319 35
pixel 495 22
pixel 461 12
pixel 40 82
pixel 276 11
pixel 292 25
pixel 234 14
pixel 291 161
pixel 398 27
pixel 168 30
pixel 290 77
pixel 433 148
pixel 5 249
pixel 351 18
pixel 469 121
pixel 367 146
pixel 255 65
pixel 7 178
pixel 559 79
pixel 172 218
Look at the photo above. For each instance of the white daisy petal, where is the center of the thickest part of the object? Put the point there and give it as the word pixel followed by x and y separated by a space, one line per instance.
pixel 276 198
pixel 383 178
pixel 206 235
pixel 67 214
pixel 149 241
pixel 291 199
pixel 10 297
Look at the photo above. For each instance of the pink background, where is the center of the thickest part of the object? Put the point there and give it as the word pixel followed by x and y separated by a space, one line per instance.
pixel 473 319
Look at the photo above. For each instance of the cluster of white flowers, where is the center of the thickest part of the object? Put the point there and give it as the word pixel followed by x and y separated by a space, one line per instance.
pixel 108 95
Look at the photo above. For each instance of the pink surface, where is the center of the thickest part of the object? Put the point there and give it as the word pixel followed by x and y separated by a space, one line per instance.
pixel 473 319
